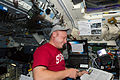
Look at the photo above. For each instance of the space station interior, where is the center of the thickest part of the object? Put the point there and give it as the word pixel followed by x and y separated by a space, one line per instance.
pixel 94 41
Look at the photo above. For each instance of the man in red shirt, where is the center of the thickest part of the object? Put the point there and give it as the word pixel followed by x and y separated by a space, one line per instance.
pixel 48 61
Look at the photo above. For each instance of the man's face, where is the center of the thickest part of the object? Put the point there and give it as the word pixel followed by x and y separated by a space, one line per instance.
pixel 60 39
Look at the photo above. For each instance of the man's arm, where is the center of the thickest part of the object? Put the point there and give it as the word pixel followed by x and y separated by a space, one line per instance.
pixel 41 73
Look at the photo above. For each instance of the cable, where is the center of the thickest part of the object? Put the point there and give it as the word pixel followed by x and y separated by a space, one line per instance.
pixel 93 57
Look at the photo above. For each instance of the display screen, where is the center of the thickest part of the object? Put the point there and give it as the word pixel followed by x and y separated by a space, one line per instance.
pixel 77 47
pixel 101 52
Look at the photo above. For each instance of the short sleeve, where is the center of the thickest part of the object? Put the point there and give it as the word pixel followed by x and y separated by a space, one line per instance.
pixel 40 57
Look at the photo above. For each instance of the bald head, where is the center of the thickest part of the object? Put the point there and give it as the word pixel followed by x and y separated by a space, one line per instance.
pixel 58 38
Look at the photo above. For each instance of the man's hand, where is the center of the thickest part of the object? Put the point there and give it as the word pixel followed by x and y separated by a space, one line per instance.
pixel 81 73
pixel 72 73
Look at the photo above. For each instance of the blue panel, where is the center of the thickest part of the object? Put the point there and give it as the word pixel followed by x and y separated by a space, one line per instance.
pixel 42 11
pixel 3 8
pixel 52 15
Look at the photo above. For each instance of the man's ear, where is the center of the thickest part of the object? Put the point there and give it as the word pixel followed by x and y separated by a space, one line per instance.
pixel 54 34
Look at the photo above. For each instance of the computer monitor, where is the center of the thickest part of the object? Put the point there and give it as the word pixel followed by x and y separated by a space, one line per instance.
pixel 77 47
pixel 78 54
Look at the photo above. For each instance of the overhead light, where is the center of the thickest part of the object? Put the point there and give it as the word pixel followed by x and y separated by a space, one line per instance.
pixel 13 64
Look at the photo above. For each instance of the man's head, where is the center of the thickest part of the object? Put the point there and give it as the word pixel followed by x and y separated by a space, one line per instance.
pixel 58 36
